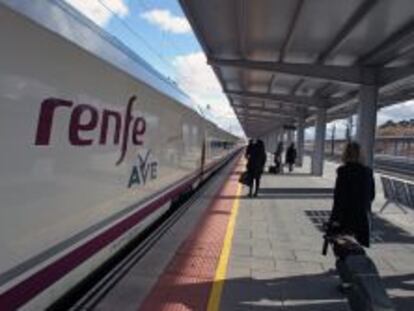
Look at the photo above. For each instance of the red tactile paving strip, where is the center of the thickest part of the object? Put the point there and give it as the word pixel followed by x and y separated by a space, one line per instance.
pixel 187 280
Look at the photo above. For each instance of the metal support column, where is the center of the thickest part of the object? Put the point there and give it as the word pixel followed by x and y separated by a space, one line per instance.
pixel 282 135
pixel 319 147
pixel 289 138
pixel 275 136
pixel 300 141
pixel 268 142
pixel 367 121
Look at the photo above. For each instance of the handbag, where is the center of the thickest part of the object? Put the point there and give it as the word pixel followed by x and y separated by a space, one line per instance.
pixel 245 179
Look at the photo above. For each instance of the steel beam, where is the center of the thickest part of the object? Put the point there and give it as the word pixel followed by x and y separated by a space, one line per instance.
pixel 386 100
pixel 303 101
pixel 270 86
pixel 297 86
pixel 392 74
pixel 349 74
pixel 291 30
pixel 255 129
pixel 257 123
pixel 265 109
pixel 350 24
pixel 385 51
pixel 269 129
pixel 264 118
pixel 252 125
pixel 320 92
pixel 241 26
pixel 272 116
pixel 352 98
pixel 288 39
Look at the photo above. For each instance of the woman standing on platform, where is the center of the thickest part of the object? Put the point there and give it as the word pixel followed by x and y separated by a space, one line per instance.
pixel 353 196
pixel 291 156
pixel 249 149
pixel 255 166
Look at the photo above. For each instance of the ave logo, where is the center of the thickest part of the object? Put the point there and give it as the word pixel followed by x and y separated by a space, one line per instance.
pixel 145 169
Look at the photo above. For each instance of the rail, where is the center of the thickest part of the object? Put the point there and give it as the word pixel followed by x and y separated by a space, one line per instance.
pixel 400 166
pixel 393 146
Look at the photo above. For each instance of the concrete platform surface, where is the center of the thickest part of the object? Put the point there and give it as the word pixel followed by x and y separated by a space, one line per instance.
pixel 275 261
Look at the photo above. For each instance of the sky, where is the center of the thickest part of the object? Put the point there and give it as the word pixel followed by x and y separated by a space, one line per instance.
pixel 158 32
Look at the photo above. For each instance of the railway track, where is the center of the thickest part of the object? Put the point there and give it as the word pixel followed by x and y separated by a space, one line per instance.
pixel 394 165
pixel 398 166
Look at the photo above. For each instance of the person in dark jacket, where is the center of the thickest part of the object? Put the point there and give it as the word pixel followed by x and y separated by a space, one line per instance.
pixel 255 166
pixel 248 149
pixel 291 156
pixel 353 196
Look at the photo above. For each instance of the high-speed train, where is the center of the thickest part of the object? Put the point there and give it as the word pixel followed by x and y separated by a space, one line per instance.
pixel 95 144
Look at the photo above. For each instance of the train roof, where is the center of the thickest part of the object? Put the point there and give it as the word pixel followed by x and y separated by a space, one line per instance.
pixel 61 18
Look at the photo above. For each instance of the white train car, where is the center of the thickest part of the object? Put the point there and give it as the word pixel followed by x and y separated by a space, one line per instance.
pixel 95 145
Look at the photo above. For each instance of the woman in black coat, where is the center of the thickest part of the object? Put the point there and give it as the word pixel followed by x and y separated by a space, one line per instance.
pixel 249 149
pixel 255 165
pixel 353 196
pixel 291 156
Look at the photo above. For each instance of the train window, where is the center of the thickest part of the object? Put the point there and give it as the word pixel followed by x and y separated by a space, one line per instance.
pixel 221 144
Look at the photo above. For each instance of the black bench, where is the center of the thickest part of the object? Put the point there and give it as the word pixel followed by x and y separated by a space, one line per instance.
pixel 398 192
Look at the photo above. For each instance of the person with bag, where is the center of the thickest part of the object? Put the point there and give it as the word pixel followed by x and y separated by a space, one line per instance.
pixel 353 195
pixel 249 149
pixel 255 166
pixel 245 178
pixel 291 156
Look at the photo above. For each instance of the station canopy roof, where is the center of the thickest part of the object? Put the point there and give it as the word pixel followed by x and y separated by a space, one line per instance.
pixel 279 59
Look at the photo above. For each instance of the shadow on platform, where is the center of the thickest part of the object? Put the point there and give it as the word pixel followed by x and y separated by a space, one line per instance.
pixel 383 231
pixel 286 193
pixel 287 174
pixel 295 293
pixel 301 191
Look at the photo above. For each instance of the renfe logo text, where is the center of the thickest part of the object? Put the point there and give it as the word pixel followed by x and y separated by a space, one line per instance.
pixel 86 118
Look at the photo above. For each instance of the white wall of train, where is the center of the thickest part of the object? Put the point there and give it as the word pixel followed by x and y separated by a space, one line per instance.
pixel 94 145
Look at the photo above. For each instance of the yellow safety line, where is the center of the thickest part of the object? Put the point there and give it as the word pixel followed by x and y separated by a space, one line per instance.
pixel 219 278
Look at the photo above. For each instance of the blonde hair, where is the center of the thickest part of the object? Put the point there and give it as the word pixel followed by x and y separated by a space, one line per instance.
pixel 352 153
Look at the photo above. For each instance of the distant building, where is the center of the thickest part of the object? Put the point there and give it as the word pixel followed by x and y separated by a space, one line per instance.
pixel 392 128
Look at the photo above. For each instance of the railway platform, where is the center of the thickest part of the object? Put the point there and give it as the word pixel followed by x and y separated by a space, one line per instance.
pixel 231 252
